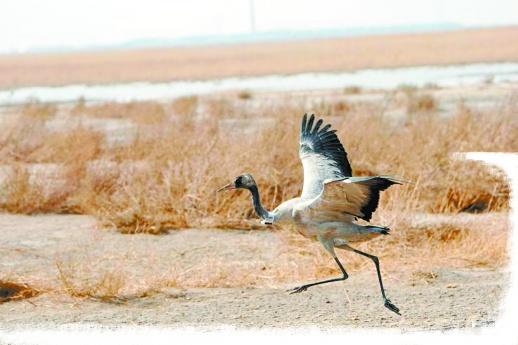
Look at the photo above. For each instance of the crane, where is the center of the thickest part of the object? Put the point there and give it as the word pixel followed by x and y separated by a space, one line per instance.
pixel 331 199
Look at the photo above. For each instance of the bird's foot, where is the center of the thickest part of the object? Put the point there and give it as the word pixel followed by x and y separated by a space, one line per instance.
pixel 391 307
pixel 298 289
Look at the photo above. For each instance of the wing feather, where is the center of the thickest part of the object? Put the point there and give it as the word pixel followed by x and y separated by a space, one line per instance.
pixel 323 156
pixel 348 197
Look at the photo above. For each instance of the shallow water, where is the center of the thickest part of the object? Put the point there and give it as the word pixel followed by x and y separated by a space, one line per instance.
pixel 454 75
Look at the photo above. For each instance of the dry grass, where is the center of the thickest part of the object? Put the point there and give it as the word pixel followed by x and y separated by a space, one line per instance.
pixel 244 94
pixel 166 175
pixel 185 106
pixel 39 110
pixel 457 245
pixel 104 286
pixel 11 291
pixel 139 112
pixel 323 55
pixel 421 103
pixel 352 90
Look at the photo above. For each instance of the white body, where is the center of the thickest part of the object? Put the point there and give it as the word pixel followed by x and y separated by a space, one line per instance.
pixel 331 233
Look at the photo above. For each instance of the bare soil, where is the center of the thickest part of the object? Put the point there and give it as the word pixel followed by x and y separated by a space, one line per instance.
pixel 30 247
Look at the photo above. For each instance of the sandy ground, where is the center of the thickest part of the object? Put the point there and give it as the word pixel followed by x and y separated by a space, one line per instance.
pixel 30 246
pixel 208 62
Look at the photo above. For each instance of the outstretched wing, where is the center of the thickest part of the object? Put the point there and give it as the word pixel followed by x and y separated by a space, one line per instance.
pixel 349 197
pixel 323 156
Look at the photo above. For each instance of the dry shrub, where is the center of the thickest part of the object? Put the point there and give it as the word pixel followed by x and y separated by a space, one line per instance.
pixel 435 233
pixel 78 144
pixel 142 112
pixel 104 286
pixel 11 291
pixel 31 141
pixel 20 195
pixel 342 107
pixel 457 198
pixel 19 139
pixel 420 103
pixel 166 177
pixel 352 90
pixel 426 276
pixel 244 94
pixel 37 110
pixel 79 106
pixel 46 168
pixel 185 105
pixel 470 241
pixel 407 89
pixel 27 194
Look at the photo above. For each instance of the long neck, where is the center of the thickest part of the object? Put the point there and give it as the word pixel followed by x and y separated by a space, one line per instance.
pixel 259 209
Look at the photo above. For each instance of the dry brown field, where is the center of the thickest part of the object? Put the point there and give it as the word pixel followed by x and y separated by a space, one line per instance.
pixel 322 55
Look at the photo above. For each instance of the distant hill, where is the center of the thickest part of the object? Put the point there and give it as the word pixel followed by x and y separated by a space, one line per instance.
pixel 268 36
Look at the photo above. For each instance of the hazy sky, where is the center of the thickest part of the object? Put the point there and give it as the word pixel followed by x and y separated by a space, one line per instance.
pixel 30 24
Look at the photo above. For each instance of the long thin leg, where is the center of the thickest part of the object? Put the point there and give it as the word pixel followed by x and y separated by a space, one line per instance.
pixel 306 286
pixel 376 261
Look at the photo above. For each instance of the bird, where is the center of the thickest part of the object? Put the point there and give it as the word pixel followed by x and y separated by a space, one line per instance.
pixel 331 202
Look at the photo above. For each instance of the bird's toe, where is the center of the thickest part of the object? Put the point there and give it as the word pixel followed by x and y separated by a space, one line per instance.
pixel 298 289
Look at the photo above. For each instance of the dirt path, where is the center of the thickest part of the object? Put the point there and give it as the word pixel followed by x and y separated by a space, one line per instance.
pixel 30 246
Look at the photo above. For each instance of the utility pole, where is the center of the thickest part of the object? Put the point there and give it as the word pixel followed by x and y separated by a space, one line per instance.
pixel 252 15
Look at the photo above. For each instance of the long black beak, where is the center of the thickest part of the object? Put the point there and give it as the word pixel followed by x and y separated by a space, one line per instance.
pixel 227 187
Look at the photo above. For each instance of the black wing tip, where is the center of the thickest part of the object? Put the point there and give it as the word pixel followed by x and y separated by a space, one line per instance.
pixel 325 141
pixel 317 126
pixel 380 184
pixel 381 229
pixel 310 127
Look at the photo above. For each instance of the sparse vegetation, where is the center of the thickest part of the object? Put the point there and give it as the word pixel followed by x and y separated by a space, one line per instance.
pixel 185 105
pixel 104 286
pixel 165 177
pixel 38 110
pixel 244 94
pixel 352 90
pixel 139 112
pixel 407 88
pixel 13 291
pixel 341 107
pixel 420 103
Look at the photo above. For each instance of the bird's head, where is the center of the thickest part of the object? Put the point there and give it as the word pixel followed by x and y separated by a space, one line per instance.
pixel 245 181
